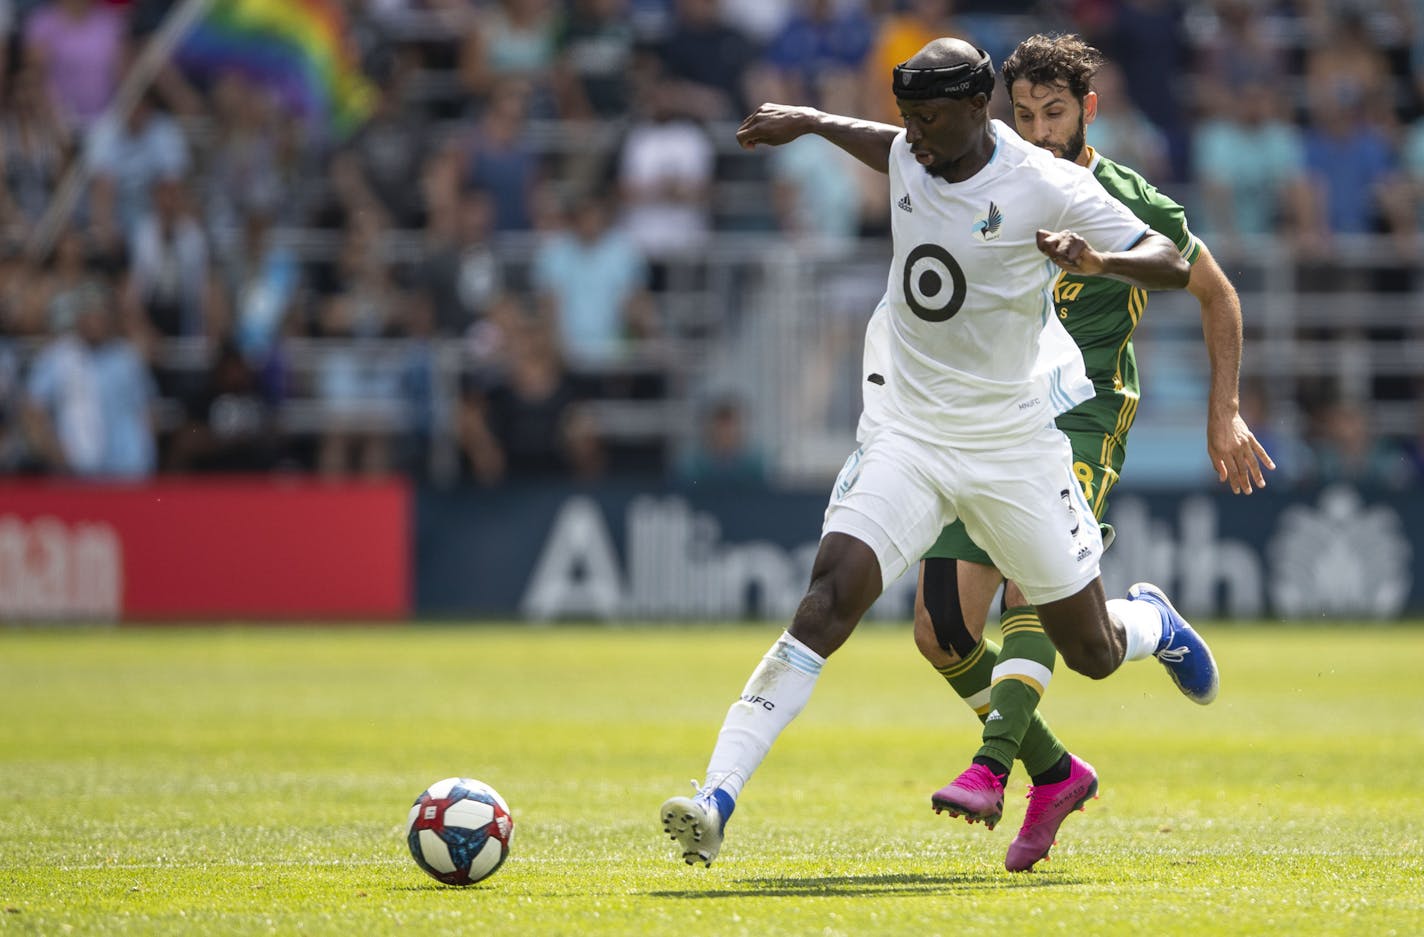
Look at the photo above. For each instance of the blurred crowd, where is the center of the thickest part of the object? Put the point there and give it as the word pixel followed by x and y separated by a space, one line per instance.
pixel 537 182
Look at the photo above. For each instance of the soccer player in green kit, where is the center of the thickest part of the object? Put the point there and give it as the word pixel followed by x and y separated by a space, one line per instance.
pixel 1049 83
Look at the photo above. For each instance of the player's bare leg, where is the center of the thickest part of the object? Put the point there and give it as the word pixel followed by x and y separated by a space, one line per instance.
pixel 1086 636
pixel 1095 636
pixel 845 580
pixel 946 634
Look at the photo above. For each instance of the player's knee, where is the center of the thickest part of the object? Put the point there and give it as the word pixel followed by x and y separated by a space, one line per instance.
pixel 941 631
pixel 1082 632
pixel 1092 659
pixel 927 641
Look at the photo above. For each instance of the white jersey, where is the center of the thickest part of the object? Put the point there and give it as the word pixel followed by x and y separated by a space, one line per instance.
pixel 968 301
pixel 1059 371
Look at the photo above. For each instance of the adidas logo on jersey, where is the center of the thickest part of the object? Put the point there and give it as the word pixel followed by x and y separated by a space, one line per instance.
pixel 992 716
pixel 904 203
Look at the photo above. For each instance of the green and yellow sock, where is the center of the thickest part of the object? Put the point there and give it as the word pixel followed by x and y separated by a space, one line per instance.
pixel 1019 680
pixel 972 677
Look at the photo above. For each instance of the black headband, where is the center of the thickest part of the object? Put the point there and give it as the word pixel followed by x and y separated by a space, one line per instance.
pixel 955 81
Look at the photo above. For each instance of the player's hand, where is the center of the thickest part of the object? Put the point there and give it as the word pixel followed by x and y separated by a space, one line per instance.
pixel 775 124
pixel 1070 252
pixel 1236 455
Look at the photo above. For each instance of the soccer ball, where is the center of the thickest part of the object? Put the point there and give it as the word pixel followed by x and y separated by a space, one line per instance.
pixel 459 831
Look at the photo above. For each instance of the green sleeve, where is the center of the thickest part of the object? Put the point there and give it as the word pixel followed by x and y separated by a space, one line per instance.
pixel 1161 213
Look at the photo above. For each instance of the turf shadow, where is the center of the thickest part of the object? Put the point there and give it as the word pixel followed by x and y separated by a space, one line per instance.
pixel 907 884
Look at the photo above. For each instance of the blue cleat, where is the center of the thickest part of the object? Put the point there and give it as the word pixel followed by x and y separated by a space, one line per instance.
pixel 698 823
pixel 1182 651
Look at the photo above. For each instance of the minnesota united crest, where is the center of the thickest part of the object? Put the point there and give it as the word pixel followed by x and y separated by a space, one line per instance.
pixel 986 225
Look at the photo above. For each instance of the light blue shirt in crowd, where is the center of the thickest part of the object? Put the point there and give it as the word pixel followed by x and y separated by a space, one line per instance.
pixel 99 400
pixel 591 284
pixel 827 192
pixel 1414 159
pixel 135 161
pixel 1254 163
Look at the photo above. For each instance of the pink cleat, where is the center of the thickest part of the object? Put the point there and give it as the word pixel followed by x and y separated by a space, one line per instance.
pixel 975 795
pixel 1048 806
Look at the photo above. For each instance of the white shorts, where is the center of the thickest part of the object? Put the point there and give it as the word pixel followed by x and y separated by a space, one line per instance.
pixel 1021 503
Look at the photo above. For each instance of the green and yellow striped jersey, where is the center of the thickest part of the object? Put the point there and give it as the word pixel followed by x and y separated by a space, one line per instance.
pixel 1101 313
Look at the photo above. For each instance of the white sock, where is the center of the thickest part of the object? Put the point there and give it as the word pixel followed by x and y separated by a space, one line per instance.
pixel 1143 624
pixel 775 694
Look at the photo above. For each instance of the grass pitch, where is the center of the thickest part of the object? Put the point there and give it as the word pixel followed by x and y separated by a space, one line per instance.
pixel 230 781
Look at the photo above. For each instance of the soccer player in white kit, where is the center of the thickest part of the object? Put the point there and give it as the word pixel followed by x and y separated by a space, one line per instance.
pixel 981 222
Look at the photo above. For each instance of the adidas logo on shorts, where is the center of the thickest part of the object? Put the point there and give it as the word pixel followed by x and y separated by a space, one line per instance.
pixel 904 203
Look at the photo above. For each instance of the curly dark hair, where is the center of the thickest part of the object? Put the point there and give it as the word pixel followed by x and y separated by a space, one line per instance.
pixel 1054 59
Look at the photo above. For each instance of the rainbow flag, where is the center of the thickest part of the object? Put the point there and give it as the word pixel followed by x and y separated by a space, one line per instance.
pixel 298 48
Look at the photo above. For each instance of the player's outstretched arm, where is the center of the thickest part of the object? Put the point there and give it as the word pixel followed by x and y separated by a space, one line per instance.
pixel 775 124
pixel 1235 453
pixel 1153 263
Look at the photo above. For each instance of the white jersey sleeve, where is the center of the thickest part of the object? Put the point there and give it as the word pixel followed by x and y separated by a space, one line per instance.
pixel 1104 222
